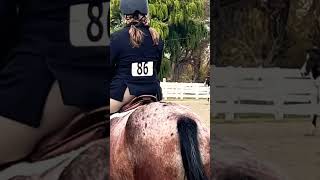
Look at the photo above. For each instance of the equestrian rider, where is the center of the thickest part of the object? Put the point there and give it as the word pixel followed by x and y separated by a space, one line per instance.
pixel 136 53
pixel 312 65
pixel 51 75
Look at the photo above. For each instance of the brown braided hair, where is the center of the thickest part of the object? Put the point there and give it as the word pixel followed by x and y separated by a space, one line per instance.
pixel 137 35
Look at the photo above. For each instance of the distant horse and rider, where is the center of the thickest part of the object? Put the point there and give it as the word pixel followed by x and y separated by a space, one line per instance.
pixel 312 65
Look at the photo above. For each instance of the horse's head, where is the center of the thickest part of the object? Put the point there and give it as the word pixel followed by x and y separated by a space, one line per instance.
pixel 312 63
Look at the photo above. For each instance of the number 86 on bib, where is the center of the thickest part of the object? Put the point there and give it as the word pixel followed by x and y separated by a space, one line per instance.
pixel 142 69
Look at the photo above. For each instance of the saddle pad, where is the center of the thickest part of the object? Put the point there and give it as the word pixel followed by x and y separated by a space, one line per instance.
pixel 81 131
pixel 122 114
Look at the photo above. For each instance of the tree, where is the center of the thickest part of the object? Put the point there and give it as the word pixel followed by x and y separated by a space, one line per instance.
pixel 254 32
pixel 182 24
pixel 269 33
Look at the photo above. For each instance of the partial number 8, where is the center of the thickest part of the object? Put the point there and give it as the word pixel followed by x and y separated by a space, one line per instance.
pixel 95 20
pixel 139 70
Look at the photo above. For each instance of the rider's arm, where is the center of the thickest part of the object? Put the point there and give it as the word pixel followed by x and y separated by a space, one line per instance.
pixel 113 49
pixel 114 52
pixel 8 20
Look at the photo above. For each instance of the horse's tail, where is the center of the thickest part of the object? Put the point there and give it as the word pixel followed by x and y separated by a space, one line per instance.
pixel 191 159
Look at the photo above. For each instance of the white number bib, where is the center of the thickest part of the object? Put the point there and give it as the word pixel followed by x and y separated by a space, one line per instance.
pixel 141 69
pixel 89 24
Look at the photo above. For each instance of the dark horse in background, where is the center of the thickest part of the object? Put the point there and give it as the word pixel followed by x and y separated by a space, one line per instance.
pixel 312 65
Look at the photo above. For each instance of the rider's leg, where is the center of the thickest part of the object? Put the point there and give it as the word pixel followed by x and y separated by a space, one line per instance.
pixel 56 114
pixel 314 123
pixel 127 97
pixel 18 140
pixel 116 105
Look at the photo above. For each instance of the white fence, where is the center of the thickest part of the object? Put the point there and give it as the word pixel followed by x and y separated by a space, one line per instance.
pixel 184 90
pixel 264 91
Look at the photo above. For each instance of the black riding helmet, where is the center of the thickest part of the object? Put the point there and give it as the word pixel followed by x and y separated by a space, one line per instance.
pixel 130 7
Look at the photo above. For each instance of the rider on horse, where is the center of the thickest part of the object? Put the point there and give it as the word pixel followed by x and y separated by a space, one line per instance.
pixel 312 65
pixel 51 77
pixel 136 53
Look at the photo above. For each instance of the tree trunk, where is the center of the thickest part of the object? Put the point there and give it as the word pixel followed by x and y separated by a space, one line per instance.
pixel 172 71
pixel 196 70
pixel 175 72
pixel 279 19
pixel 215 26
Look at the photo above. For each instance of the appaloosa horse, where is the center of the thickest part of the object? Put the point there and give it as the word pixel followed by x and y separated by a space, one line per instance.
pixel 159 141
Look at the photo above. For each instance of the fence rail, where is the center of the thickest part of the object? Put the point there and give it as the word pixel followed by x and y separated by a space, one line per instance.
pixel 184 90
pixel 273 91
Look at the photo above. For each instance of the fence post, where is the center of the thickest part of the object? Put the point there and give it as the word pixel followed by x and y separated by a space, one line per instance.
pixel 278 108
pixel 197 90
pixel 181 91
pixel 229 116
pixel 164 88
pixel 279 100
pixel 230 103
pixel 176 91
